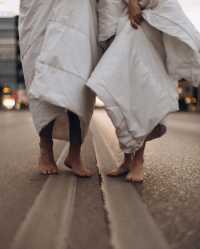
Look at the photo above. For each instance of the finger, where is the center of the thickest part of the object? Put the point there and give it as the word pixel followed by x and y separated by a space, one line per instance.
pixel 141 19
pixel 138 19
pixel 134 25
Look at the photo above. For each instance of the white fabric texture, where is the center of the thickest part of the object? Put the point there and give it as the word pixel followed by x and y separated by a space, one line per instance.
pixel 137 76
pixel 110 11
pixel 59 51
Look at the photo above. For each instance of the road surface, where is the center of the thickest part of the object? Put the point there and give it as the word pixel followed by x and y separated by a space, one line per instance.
pixel 172 182
pixel 170 191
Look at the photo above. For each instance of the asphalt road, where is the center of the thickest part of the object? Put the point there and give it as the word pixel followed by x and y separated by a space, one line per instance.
pixel 20 185
pixel 171 188
pixel 19 180
pixel 172 182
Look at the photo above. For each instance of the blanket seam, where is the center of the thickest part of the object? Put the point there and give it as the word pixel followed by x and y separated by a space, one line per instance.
pixel 175 24
pixel 66 71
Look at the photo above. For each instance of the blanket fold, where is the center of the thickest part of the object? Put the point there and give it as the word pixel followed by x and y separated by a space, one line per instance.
pixel 59 51
pixel 137 76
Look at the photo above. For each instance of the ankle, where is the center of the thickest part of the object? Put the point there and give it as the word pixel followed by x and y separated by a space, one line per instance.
pixel 46 149
pixel 73 160
pixel 128 157
pixel 45 139
pixel 139 160
pixel 74 151
pixel 46 142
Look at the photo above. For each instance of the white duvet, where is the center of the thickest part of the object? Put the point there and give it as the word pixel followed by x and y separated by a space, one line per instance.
pixel 137 76
pixel 59 51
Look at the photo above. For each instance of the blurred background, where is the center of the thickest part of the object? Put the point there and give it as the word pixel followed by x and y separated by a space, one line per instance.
pixel 12 88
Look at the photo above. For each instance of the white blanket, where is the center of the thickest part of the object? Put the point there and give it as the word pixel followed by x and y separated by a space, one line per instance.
pixel 137 76
pixel 59 51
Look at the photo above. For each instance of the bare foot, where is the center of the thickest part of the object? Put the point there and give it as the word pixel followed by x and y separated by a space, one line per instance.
pixel 124 168
pixel 136 173
pixel 77 167
pixel 74 162
pixel 47 168
pixel 47 164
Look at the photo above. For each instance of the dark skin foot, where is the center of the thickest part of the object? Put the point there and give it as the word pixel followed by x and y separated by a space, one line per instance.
pixel 74 162
pixel 47 164
pixel 136 172
pixel 133 166
pixel 124 168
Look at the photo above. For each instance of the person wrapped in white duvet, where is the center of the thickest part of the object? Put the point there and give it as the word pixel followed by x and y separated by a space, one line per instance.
pixel 152 45
pixel 59 51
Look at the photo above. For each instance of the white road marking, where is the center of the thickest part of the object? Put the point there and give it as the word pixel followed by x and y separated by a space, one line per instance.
pixel 131 225
pixel 48 222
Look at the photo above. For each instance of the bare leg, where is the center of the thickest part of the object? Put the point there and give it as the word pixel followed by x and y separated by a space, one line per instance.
pixel 74 162
pixel 136 173
pixel 73 159
pixel 157 132
pixel 47 164
pixel 124 168
pixel 134 165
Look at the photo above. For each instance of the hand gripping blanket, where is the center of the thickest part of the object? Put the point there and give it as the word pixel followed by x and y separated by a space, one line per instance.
pixel 59 51
pixel 137 76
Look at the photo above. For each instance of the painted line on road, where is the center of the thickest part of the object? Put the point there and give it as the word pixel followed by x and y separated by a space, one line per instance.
pixel 47 224
pixel 131 224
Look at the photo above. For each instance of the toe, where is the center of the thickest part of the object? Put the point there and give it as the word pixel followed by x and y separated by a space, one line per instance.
pixel 49 172
pixel 84 174
pixel 55 171
pixel 134 179
pixel 128 178
pixel 48 169
pixel 87 174
pixel 44 172
pixel 138 180
pixel 113 174
pixel 118 172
